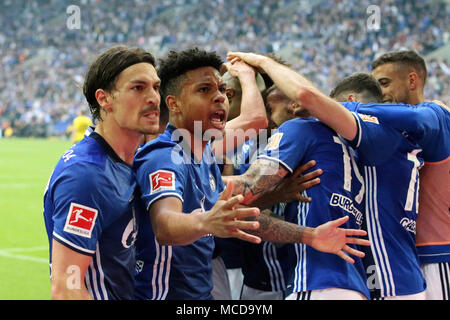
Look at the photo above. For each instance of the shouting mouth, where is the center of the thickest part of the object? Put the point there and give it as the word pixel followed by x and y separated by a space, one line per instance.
pixel 218 119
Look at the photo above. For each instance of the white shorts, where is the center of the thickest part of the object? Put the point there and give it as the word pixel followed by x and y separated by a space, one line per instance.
pixel 327 294
pixel 221 285
pixel 256 294
pixel 236 279
pixel 437 276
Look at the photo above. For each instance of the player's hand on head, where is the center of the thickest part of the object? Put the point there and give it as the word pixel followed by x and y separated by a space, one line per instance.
pixel 332 239
pixel 238 68
pixel 252 59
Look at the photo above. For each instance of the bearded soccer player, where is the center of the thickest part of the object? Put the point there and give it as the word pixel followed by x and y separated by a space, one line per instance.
pixel 89 203
pixel 402 77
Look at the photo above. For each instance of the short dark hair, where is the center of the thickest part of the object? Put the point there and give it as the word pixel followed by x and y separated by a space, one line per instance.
pixel 174 67
pixel 407 58
pixel 362 83
pixel 105 70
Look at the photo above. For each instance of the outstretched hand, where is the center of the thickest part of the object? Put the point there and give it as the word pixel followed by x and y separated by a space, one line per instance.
pixel 225 217
pixel 328 237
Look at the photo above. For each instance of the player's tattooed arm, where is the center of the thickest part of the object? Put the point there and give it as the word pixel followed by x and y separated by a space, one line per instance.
pixel 261 177
pixel 277 230
pixel 327 237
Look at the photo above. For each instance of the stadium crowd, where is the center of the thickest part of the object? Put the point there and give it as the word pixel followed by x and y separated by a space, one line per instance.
pixel 43 61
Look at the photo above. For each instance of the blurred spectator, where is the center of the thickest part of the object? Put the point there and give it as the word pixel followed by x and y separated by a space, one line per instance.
pixel 43 62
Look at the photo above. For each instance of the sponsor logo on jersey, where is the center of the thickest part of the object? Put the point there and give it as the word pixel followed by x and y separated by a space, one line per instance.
pixel 80 220
pixel 368 118
pixel 409 224
pixel 274 141
pixel 162 180
pixel 343 202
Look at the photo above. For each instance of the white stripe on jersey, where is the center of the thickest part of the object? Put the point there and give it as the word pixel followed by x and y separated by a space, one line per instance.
pixel 101 274
pixel 273 266
pixel 300 283
pixel 383 267
pixel 164 254
pixel 72 244
pixel 94 278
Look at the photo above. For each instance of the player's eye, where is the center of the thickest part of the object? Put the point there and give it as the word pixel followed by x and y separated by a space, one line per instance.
pixel 222 89
pixel 138 88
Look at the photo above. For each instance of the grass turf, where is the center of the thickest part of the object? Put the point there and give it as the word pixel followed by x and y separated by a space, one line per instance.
pixel 25 167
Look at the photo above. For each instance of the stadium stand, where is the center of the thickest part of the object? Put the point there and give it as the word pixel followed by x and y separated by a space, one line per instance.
pixel 43 61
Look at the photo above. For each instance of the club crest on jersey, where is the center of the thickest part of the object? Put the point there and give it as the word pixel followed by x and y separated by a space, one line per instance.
pixel 80 220
pixel 368 118
pixel 162 180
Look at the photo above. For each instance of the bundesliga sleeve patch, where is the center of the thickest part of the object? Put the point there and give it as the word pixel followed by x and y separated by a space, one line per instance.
pixel 162 180
pixel 80 220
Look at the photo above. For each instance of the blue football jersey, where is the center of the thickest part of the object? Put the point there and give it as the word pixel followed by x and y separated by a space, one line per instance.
pixel 164 170
pixel 393 141
pixel 265 266
pixel 340 193
pixel 89 207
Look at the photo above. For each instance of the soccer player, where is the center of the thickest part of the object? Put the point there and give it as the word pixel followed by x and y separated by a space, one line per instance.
pixel 267 266
pixel 79 126
pixel 89 203
pixel 317 275
pixel 402 76
pixel 400 133
pixel 180 184
pixel 245 103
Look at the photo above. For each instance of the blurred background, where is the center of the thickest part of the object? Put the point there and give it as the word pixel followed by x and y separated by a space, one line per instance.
pixel 45 52
pixel 43 61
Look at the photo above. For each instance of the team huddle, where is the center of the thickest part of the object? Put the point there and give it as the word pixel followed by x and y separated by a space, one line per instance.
pixel 207 180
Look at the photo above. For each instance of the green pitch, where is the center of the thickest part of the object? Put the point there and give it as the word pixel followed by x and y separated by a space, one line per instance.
pixel 25 167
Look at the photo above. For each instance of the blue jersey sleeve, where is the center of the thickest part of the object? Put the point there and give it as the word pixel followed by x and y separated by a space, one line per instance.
pixel 160 173
pixel 288 145
pixel 426 124
pixel 79 207
pixel 375 142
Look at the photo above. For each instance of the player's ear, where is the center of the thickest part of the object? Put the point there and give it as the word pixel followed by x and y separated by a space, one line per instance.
pixel 172 104
pixel 352 97
pixel 413 81
pixel 292 105
pixel 104 99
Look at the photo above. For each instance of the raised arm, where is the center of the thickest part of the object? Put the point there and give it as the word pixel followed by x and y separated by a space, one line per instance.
pixel 300 89
pixel 252 117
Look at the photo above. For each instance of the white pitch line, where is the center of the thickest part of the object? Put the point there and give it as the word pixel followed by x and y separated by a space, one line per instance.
pixel 7 253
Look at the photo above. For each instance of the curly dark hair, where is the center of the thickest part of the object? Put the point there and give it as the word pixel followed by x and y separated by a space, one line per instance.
pixel 105 70
pixel 172 69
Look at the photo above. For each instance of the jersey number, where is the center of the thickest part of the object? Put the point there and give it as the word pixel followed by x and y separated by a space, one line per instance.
pixel 349 162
